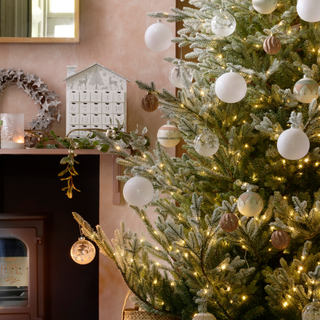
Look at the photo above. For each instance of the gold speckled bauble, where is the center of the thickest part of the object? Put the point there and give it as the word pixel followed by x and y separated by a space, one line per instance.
pixel 250 204
pixel 168 135
pixel 204 316
pixel 272 45
pixel 229 222
pixel 280 239
pixel 305 90
pixel 149 103
pixel 82 251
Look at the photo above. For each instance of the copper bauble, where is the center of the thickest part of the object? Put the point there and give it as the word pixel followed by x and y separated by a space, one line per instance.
pixel 272 45
pixel 229 222
pixel 149 102
pixel 280 239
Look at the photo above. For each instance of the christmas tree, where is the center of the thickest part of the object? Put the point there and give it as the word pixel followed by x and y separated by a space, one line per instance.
pixel 237 233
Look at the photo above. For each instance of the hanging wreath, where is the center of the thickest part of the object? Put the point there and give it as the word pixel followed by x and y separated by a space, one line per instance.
pixel 38 91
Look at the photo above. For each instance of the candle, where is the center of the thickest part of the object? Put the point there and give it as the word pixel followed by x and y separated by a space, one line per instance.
pixel 11 145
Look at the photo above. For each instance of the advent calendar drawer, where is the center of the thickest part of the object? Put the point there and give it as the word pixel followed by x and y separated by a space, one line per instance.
pixel 118 96
pixel 96 119
pixel 74 107
pixel 95 107
pixel 96 126
pixel 107 119
pixel 107 107
pixel 74 95
pixel 118 117
pixel 84 133
pixel 95 96
pixel 118 107
pixel 74 119
pixel 84 107
pixel 85 96
pixel 107 96
pixel 74 133
pixel 84 119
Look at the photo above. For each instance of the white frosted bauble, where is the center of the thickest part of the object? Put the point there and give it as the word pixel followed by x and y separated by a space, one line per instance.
pixel 305 90
pixel 204 316
pixel 206 143
pixel 311 311
pixel 168 135
pixel 158 37
pixel 293 144
pixel 82 251
pixel 223 23
pixel 250 204
pixel 264 6
pixel 231 87
pixel 138 191
pixel 175 75
pixel 309 10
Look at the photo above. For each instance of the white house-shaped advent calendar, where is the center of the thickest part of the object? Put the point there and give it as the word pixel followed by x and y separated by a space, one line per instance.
pixel 96 99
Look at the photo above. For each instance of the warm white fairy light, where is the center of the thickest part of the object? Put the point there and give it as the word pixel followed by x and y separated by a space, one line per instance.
pixel 155 281
pixel 285 304
pixel 244 298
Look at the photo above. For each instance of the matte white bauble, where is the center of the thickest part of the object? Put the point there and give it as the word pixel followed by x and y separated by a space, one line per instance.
pixel 206 143
pixel 175 75
pixel 309 10
pixel 158 37
pixel 305 90
pixel 293 144
pixel 250 204
pixel 231 87
pixel 168 135
pixel 138 191
pixel 264 6
pixel 223 23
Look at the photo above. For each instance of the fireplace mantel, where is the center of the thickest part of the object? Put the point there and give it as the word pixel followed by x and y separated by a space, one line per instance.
pixel 103 161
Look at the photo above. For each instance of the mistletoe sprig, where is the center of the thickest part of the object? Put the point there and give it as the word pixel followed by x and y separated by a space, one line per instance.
pixel 112 140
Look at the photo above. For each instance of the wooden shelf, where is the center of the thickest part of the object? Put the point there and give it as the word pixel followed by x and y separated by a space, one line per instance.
pixel 44 152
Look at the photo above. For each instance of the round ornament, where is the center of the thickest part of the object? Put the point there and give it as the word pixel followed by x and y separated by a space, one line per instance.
pixel 204 316
pixel 271 45
pixel 264 6
pixel 250 204
pixel 83 251
pixel 280 239
pixel 149 102
pixel 223 23
pixel 168 135
pixel 206 143
pixel 309 10
pixel 305 90
pixel 293 144
pixel 158 37
pixel 175 75
pixel 229 222
pixel 312 310
pixel 138 191
pixel 231 87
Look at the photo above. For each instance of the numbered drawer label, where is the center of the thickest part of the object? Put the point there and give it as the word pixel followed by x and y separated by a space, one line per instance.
pixel 96 119
pixel 118 96
pixel 84 133
pixel 107 119
pixel 96 96
pixel 74 119
pixel 74 107
pixel 118 108
pixel 74 95
pixel 107 107
pixel 119 117
pixel 84 118
pixel 107 96
pixel 74 133
pixel 85 96
pixel 84 107
pixel 95 107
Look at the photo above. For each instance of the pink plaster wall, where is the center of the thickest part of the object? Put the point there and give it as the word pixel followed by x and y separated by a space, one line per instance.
pixel 112 34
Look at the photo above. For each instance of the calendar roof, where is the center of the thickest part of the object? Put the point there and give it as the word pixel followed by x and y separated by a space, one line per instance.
pixel 93 65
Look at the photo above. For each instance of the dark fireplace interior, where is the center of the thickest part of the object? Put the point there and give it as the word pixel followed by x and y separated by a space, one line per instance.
pixel 30 184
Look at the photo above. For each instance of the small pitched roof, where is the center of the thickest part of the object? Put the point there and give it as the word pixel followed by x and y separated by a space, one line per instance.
pixel 96 64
